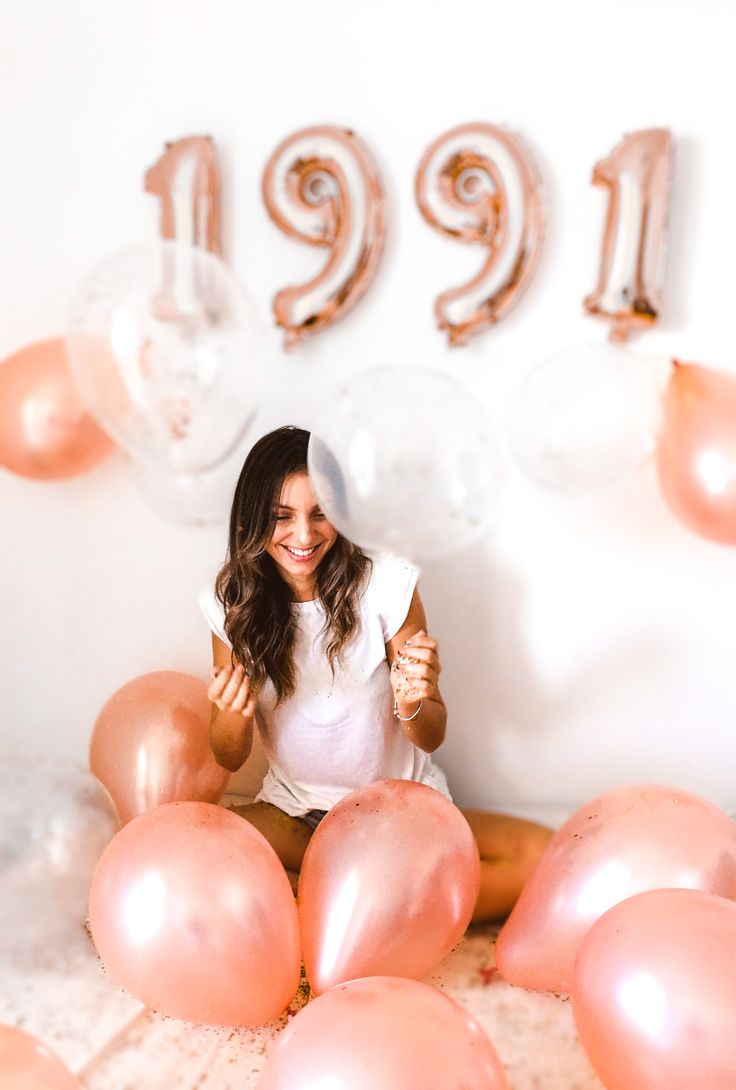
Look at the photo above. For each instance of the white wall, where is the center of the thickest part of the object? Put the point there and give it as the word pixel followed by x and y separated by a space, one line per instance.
pixel 585 643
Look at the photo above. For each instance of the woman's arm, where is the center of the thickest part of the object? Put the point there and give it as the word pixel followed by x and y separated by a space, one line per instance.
pixel 415 670
pixel 233 709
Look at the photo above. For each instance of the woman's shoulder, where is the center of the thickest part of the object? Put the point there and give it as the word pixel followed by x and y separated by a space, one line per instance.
pixel 214 613
pixel 389 591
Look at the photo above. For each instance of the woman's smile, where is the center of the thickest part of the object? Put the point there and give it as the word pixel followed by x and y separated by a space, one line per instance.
pixel 301 554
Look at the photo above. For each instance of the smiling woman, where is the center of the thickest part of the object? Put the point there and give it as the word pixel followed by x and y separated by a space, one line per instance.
pixel 326 651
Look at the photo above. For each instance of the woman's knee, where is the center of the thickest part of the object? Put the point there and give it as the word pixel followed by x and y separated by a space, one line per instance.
pixel 287 835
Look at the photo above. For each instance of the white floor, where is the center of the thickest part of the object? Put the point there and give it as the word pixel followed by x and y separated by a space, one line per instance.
pixel 114 1043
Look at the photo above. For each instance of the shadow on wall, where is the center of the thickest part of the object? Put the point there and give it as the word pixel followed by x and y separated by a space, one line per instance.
pixel 516 740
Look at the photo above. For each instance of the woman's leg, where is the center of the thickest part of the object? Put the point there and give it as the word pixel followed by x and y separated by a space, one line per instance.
pixel 510 849
pixel 288 836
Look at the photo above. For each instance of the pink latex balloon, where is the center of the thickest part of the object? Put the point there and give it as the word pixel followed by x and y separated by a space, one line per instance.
pixel 654 993
pixel 27 1064
pixel 192 912
pixel 383 1032
pixel 388 884
pixel 45 430
pixel 696 452
pixel 150 744
pixel 624 842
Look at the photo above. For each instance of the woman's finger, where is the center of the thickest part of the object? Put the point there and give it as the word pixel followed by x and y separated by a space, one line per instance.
pixel 238 702
pixel 421 640
pixel 221 676
pixel 250 706
pixel 419 670
pixel 232 686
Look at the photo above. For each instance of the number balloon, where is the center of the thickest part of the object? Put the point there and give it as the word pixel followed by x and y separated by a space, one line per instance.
pixel 322 186
pixel 187 179
pixel 637 175
pixel 477 183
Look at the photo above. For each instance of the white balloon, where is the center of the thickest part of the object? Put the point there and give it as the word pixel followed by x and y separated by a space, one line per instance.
pixel 404 461
pixel 191 499
pixel 167 352
pixel 56 818
pixel 587 419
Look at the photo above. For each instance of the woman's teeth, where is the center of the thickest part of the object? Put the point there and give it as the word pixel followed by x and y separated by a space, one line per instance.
pixel 299 552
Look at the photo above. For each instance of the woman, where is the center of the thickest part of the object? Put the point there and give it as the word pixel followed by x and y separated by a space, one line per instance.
pixel 326 650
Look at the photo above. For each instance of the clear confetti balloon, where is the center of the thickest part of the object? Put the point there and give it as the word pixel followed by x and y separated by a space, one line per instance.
pixel 587 419
pixel 404 461
pixel 191 499
pixel 55 820
pixel 167 352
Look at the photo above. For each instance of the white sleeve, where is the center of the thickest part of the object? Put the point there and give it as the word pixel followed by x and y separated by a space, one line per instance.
pixel 391 588
pixel 214 613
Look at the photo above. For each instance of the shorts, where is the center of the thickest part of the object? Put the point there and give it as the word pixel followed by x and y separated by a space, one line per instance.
pixel 313 817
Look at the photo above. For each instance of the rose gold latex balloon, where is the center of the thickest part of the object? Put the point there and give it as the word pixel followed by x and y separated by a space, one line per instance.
pixel 383 1032
pixel 479 184
pixel 388 884
pixel 696 452
pixel 626 841
pixel 654 993
pixel 322 186
pixel 187 179
pixel 637 175
pixel 192 913
pixel 45 430
pixel 27 1064
pixel 150 744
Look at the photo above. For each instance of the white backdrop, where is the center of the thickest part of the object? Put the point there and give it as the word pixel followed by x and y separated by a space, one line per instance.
pixel 586 643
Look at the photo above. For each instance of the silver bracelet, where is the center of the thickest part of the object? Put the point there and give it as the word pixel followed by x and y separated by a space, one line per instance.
pixel 408 718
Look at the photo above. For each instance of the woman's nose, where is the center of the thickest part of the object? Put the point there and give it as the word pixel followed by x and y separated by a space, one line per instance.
pixel 303 531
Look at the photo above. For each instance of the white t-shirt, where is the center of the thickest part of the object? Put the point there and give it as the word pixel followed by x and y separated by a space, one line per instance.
pixel 337 734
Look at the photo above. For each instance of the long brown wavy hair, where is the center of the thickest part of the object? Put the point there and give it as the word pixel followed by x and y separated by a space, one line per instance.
pixel 259 620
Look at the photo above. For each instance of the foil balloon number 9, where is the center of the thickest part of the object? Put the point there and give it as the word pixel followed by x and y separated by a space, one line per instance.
pixel 321 186
pixel 477 183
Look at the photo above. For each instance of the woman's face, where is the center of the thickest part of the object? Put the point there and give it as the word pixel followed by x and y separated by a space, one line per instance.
pixel 302 536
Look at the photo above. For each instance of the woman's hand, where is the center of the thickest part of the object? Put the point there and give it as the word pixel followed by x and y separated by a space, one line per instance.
pixel 230 691
pixel 415 671
pixel 232 714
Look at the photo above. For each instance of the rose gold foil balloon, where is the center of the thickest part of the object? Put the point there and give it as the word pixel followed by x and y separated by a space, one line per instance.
pixel 322 186
pixel 696 453
pixel 637 175
pixel 192 913
pixel 388 884
pixel 150 744
pixel 654 993
pixel 187 179
pixel 479 184
pixel 383 1032
pixel 624 842
pixel 45 429
pixel 27 1064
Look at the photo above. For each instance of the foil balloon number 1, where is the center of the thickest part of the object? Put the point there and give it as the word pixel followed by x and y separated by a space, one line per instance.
pixel 322 186
pixel 187 180
pixel 477 183
pixel 638 177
